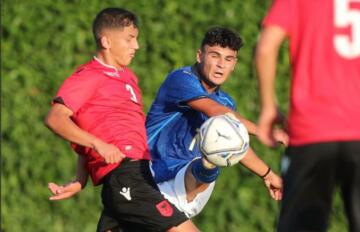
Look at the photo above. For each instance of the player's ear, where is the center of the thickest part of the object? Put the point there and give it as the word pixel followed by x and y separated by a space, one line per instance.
pixel 233 67
pixel 199 55
pixel 234 64
pixel 105 41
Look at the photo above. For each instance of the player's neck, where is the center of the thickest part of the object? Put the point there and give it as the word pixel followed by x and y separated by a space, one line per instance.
pixel 210 88
pixel 108 60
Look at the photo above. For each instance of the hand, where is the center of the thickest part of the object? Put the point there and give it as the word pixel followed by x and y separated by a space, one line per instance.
pixel 281 136
pixel 62 192
pixel 109 152
pixel 267 120
pixel 275 186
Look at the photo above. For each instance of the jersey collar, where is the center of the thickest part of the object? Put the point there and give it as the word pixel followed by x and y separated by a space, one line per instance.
pixel 108 70
pixel 113 68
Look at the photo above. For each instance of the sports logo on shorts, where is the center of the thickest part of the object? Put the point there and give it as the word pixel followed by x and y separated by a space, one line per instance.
pixel 126 193
pixel 165 209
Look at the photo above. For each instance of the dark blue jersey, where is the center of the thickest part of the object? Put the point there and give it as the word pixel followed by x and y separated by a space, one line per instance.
pixel 172 125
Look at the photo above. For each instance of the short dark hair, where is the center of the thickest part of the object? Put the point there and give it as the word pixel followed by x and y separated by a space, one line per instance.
pixel 112 18
pixel 223 37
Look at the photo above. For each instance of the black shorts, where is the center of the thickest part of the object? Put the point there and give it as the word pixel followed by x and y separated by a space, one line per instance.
pixel 310 174
pixel 133 202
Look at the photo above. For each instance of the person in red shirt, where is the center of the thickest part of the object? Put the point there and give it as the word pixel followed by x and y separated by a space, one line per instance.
pixel 99 110
pixel 323 122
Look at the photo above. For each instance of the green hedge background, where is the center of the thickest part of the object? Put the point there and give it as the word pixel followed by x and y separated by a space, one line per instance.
pixel 43 41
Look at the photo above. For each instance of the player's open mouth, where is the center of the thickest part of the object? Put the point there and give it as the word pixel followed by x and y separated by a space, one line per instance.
pixel 218 74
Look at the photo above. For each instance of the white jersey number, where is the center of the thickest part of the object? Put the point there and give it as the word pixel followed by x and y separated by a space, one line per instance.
pixel 132 92
pixel 347 46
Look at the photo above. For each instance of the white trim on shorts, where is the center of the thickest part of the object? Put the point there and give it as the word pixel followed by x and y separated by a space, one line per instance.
pixel 175 192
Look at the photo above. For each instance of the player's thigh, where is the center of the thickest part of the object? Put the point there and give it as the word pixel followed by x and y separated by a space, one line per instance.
pixel 349 173
pixel 132 196
pixel 310 167
pixel 309 176
pixel 349 168
pixel 175 191
pixel 108 223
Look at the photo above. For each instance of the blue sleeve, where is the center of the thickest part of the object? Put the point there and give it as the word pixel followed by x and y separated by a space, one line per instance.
pixel 182 86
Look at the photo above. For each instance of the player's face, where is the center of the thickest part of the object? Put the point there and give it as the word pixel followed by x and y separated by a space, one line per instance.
pixel 123 44
pixel 216 64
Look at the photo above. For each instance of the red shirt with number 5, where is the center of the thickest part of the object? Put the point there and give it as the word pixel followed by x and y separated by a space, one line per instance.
pixel 325 60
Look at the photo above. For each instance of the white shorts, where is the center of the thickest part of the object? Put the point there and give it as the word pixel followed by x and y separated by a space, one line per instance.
pixel 175 192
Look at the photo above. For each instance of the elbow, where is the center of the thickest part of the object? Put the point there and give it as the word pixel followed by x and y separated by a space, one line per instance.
pixel 49 121
pixel 53 120
pixel 57 117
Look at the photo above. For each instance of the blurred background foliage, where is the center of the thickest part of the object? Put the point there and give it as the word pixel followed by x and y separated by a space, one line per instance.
pixel 43 41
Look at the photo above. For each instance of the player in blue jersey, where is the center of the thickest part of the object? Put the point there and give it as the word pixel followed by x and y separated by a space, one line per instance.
pixel 188 97
pixel 184 101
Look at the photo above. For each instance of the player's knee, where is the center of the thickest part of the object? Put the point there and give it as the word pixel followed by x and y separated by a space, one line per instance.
pixel 203 174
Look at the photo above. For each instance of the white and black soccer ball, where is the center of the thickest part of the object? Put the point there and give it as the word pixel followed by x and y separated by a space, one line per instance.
pixel 224 140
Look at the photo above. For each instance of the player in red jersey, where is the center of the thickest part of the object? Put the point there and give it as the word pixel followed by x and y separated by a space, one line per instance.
pixel 324 116
pixel 99 110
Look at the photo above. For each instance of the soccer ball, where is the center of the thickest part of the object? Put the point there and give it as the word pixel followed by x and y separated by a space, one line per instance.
pixel 224 140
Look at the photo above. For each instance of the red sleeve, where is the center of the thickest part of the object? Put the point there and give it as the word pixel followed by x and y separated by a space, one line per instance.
pixel 282 14
pixel 78 89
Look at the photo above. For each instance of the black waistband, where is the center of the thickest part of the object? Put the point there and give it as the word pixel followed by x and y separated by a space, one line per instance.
pixel 132 162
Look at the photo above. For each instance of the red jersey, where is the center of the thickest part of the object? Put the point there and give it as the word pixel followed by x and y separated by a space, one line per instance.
pixel 325 60
pixel 106 102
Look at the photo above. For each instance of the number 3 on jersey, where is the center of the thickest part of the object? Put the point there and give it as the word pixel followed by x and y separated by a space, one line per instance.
pixel 132 92
pixel 347 45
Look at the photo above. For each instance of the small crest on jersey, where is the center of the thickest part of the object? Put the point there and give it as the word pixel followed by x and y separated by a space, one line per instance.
pixel 112 74
pixel 165 208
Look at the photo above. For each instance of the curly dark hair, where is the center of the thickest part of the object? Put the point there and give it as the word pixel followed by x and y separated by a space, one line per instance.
pixel 223 37
pixel 112 18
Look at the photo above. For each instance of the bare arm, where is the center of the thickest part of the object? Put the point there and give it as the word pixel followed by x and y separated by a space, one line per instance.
pixel 211 108
pixel 267 50
pixel 59 121
pixel 251 161
pixel 272 181
pixel 61 192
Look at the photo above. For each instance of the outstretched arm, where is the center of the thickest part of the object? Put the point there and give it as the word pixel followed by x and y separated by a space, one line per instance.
pixel 267 50
pixel 251 160
pixel 211 108
pixel 272 181
pixel 61 192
